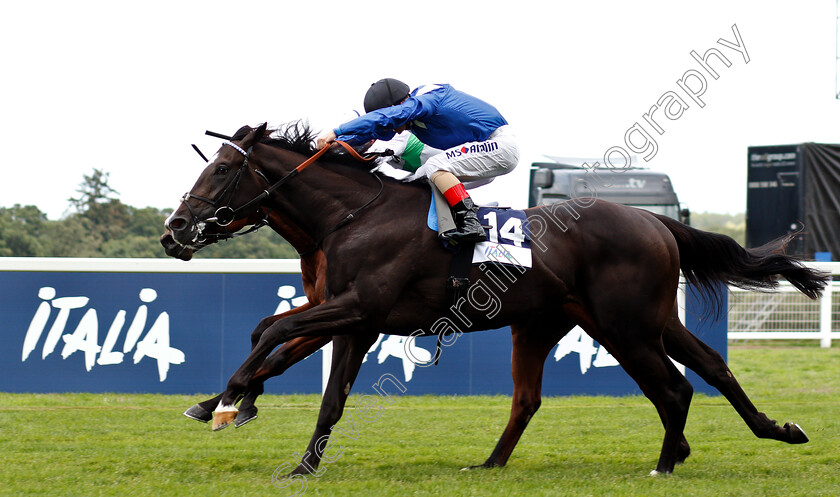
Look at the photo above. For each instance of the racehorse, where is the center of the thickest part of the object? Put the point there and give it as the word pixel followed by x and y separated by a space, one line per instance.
pixel 678 341
pixel 612 269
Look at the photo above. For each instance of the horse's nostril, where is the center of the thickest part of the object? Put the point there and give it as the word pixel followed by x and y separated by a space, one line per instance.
pixel 176 224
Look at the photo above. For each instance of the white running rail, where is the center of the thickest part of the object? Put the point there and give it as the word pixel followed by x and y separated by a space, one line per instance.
pixel 787 314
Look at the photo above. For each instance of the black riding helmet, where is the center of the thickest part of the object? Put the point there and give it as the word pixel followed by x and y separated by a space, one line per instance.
pixel 385 93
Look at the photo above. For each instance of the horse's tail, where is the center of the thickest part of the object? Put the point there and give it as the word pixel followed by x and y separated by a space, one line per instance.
pixel 709 259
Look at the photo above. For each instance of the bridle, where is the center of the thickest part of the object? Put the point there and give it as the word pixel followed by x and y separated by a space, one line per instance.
pixel 225 214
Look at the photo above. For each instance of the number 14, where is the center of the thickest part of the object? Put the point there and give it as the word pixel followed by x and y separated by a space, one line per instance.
pixel 511 230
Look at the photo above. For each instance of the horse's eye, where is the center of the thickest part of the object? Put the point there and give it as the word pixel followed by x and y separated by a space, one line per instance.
pixel 222 169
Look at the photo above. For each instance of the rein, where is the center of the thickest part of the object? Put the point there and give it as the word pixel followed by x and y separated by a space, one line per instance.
pixel 228 211
pixel 346 220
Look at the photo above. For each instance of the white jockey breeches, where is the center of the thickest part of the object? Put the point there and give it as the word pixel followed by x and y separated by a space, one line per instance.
pixel 477 162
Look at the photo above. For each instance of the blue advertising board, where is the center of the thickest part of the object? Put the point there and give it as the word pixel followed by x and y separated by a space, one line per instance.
pixel 151 326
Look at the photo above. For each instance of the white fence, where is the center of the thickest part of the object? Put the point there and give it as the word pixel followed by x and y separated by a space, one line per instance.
pixel 787 314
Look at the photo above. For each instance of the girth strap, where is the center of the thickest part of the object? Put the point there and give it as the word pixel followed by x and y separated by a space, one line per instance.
pixel 459 279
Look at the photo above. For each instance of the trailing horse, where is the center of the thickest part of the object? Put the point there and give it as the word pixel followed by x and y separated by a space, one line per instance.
pixel 611 269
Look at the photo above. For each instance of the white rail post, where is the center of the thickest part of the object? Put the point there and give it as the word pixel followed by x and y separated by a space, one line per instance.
pixel 326 365
pixel 825 317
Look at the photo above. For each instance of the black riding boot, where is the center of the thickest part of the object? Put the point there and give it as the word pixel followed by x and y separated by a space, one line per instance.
pixel 467 227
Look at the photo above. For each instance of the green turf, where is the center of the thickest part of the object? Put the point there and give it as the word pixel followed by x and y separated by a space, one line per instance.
pixel 123 445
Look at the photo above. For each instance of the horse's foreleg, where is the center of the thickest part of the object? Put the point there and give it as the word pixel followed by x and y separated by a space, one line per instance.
pixel 289 354
pixel 348 353
pixel 709 365
pixel 531 346
pixel 203 411
pixel 225 410
pixel 342 315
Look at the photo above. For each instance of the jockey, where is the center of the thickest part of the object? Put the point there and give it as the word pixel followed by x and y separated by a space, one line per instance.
pixel 475 141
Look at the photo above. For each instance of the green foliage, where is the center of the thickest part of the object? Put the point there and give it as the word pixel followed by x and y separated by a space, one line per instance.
pixel 262 244
pixel 18 231
pixel 73 236
pixel 140 445
pixel 734 225
pixel 102 226
pixel 133 246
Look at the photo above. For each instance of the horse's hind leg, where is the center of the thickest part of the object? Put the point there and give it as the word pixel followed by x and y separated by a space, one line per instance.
pixel 665 386
pixel 531 345
pixel 683 449
pixel 631 330
pixel 709 365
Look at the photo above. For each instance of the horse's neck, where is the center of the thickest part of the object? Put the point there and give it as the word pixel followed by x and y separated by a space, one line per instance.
pixel 320 197
pixel 291 233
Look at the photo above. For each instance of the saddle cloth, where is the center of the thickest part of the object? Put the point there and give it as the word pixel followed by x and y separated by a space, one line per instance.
pixel 508 239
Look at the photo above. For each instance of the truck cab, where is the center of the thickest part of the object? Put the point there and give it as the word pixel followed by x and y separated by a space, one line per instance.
pixel 552 182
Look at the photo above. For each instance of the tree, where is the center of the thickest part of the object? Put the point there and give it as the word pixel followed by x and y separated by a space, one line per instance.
pixel 147 222
pixel 133 246
pixel 72 236
pixel 19 230
pixel 94 189
pixel 108 216
pixel 263 244
pixel 102 226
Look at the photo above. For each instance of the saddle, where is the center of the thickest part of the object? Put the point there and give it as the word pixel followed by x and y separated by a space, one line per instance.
pixel 508 241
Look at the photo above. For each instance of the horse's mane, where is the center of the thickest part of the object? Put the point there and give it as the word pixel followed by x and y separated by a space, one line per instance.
pixel 298 136
pixel 295 136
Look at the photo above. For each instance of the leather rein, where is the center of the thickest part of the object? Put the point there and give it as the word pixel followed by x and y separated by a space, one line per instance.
pixel 226 214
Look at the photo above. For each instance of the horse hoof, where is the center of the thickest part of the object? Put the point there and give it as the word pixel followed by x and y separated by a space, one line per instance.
pixel 245 415
pixel 682 454
pixel 223 419
pixel 479 466
pixel 300 470
pixel 198 413
pixel 796 433
pixel 659 473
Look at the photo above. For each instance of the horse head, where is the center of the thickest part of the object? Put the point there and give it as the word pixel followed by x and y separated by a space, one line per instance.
pixel 210 209
pixel 244 178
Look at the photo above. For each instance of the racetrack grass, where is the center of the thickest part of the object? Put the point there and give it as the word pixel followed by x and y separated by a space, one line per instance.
pixel 123 445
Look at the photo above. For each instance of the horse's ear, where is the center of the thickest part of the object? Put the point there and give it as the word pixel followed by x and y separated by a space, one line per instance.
pixel 254 136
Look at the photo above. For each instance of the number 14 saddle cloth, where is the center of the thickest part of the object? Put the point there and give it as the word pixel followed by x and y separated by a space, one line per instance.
pixel 508 238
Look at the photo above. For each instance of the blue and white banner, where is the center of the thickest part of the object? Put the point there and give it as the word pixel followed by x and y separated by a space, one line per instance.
pixel 146 329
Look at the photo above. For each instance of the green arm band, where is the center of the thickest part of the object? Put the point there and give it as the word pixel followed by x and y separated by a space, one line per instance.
pixel 411 156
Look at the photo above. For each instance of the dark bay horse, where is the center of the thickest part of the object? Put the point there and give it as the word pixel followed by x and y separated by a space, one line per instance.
pixel 613 270
pixel 678 341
